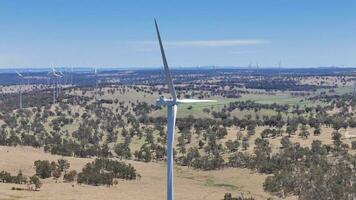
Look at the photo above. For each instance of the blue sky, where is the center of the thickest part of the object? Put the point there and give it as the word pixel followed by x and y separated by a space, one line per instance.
pixel 85 33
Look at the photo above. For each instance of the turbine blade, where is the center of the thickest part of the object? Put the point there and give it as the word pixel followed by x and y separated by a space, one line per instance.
pixel 183 101
pixel 18 73
pixel 167 73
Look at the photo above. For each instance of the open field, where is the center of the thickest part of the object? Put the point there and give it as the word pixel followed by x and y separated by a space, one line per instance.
pixel 189 184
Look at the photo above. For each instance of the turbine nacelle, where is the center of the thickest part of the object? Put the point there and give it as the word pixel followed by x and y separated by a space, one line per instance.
pixel 170 102
pixel 54 74
pixel 165 102
pixel 19 74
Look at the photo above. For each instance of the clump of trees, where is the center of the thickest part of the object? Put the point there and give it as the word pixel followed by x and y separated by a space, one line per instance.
pixel 46 169
pixel 319 172
pixel 104 171
pixel 6 177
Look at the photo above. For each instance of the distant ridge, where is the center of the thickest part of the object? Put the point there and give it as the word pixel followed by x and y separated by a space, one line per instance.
pixel 101 69
pixel 83 69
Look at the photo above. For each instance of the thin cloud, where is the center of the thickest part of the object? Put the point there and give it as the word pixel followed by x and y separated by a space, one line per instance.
pixel 208 43
pixel 217 43
pixel 242 52
pixel 145 50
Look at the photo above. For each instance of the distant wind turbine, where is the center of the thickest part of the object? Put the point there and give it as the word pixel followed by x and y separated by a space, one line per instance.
pixel 354 89
pixel 52 74
pixel 171 116
pixel 60 81
pixel 28 77
pixel 259 73
pixel 21 83
pixel 71 76
pixel 96 84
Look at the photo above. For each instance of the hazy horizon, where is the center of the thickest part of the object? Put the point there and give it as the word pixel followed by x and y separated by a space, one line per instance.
pixel 91 68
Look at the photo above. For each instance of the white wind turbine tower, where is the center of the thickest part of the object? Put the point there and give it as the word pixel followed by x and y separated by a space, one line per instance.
pixel 171 104
pixel 21 83
pixel 54 76
pixel 71 77
pixel 259 73
pixel 60 87
pixel 96 84
pixel 279 68
pixel 354 89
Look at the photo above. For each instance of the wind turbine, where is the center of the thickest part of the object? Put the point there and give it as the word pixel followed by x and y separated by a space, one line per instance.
pixel 354 90
pixel 96 84
pixel 71 77
pixel 172 105
pixel 21 82
pixel 60 87
pixel 259 73
pixel 54 76
pixel 28 77
pixel 279 68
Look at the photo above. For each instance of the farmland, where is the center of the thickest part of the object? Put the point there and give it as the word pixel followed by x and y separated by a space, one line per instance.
pixel 236 145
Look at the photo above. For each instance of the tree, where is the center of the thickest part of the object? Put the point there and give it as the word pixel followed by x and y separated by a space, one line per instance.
pixel 232 146
pixel 36 181
pixel 181 144
pixel 149 136
pixel 144 153
pixel 105 151
pixel 291 129
pixel 43 168
pixel 5 177
pixel 317 130
pixel 304 131
pixel 63 165
pixel 251 129
pixel 56 173
pixel 70 176
pixel 262 152
pixel 336 136
pixel 339 122
pixel 245 143
pixel 123 151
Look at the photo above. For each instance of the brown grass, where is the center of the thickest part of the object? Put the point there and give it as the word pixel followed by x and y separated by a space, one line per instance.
pixel 189 184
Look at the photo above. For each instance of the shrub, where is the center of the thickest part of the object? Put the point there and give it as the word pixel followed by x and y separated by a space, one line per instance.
pixel 70 176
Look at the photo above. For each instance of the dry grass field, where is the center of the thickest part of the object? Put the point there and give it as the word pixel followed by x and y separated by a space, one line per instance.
pixel 189 184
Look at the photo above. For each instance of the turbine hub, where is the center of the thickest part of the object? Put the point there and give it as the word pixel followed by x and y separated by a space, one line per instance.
pixel 165 102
